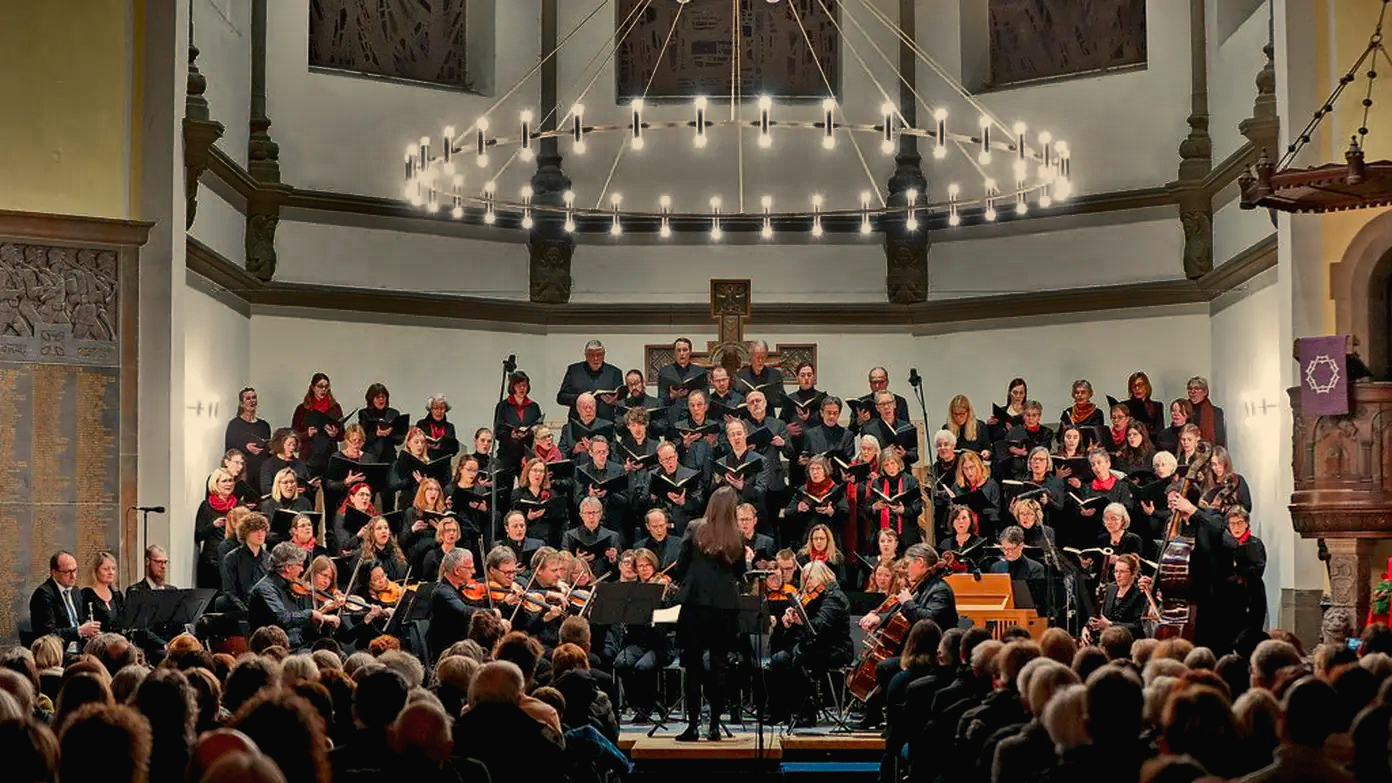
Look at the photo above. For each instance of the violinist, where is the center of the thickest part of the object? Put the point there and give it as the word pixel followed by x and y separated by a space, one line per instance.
pixel 374 584
pixel 785 562
pixel 271 601
pixel 659 541
pixel 1013 560
pixel 302 536
pixel 449 612
pixel 515 537
pixel 446 540
pixel 355 618
pixel 758 548
pixel 1224 490
pixel 513 421
pixel 893 502
pixel 540 501
pixel 926 594
pixel 1181 413
pixel 501 568
pixel 821 548
pixel 542 618
pixel 646 649
pixel 819 502
pixel 598 546
pixel 820 643
pixel 1123 603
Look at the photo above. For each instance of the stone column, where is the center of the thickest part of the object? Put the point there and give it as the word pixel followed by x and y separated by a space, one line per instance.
pixel 200 130
pixel 906 252
pixel 1196 156
pixel 1350 576
pixel 263 161
pixel 549 246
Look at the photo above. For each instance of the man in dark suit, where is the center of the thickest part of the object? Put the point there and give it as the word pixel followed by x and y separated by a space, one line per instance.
pixel 271 602
pixel 865 406
pixel 57 608
pixel 592 375
pixel 156 567
pixel 677 379
pixel 660 541
pixel 449 612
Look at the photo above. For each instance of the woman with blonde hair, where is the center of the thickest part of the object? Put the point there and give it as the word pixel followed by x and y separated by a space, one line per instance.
pixel 102 596
pixel 974 481
pixel 420 521
pixel 379 546
pixel 209 524
pixel 820 547
pixel 971 432
pixel 406 476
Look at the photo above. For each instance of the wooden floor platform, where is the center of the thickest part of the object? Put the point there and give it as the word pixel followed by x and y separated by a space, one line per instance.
pixel 807 744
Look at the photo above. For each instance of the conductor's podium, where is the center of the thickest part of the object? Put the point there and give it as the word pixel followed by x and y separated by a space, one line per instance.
pixel 989 603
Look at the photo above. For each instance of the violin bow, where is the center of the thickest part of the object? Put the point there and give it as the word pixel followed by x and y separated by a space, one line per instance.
pixel 523 600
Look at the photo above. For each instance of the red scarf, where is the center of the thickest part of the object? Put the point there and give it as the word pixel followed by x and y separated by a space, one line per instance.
pixel 885 514
pixel 1204 413
pixel 308 547
pixel 437 431
pixel 817 489
pixel 1118 438
pixel 1246 534
pixel 520 405
pixel 1079 413
pixel 552 454
pixel 321 404
pixel 1028 428
pixel 815 556
pixel 1104 485
pixel 222 506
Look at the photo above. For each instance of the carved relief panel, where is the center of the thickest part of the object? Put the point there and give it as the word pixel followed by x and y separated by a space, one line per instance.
pixel 1041 39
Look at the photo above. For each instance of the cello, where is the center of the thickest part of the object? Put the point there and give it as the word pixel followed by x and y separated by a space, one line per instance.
pixel 887 640
pixel 1177 610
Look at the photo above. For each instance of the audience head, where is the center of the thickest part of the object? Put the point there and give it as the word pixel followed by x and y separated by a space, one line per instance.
pixel 1088 660
pixel 422 730
pixel 30 751
pixel 1058 644
pixel 379 697
pixel 1142 649
pixel 1064 718
pixel 1116 642
pixel 1198 721
pixel 574 630
pixel 520 649
pixel 486 628
pixel 113 651
pixel 246 678
pixel 290 731
pixel 1011 659
pixel 1306 709
pixel 497 682
pixel 126 681
pixel 1269 658
pixel 1040 680
pixel 104 741
pixel 81 690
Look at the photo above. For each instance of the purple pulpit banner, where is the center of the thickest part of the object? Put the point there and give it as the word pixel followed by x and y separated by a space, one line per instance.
pixel 1323 375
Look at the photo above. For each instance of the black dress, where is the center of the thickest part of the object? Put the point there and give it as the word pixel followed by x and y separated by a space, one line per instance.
pixel 105 613
pixel 709 597
pixel 240 432
pixel 1126 610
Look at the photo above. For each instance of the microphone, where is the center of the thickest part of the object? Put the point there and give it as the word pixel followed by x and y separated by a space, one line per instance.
pixel 915 380
pixel 150 509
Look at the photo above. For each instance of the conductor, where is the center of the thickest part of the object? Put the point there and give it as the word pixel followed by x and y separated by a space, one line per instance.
pixel 709 568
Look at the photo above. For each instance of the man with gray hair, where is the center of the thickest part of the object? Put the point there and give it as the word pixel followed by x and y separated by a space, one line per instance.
pixel 583 427
pixel 594 375
pixel 271 602
pixel 1013 560
pixel 496 730
pixel 759 376
pixel 450 614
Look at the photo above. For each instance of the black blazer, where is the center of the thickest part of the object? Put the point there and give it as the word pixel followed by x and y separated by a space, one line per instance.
pixel 1127 610
pixel 705 580
pixel 449 617
pixel 506 420
pixel 48 615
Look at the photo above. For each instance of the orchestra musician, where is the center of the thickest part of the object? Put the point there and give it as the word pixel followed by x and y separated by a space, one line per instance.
pixel 593 376
pixel 249 434
pixel 1209 563
pixel 675 488
pixel 501 571
pixel 709 571
pixel 541 502
pixel 515 537
pixel 1207 416
pixel 542 619
pixel 449 612
pixel 1223 489
pixel 865 406
pixel 355 628
pixel 820 644
pixel 1123 603
pixel 56 606
pixel 659 540
pixel 1013 560
pixel 971 432
pixel 758 548
pixel 881 579
pixel 440 437
pixel 597 546
pixel 514 420
pixel 1083 412
pixel 1016 395
pixel 103 598
pixel 271 601
pixel 927 594
pixel 317 443
pixel 678 379
pixel 644 649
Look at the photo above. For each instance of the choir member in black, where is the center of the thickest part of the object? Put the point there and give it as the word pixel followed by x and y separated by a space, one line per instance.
pixel 420 521
pixel 483 446
pixel 250 435
pixel 380 546
pixel 1167 439
pixel 302 535
pixel 353 449
pixel 710 571
pixel 941 475
pixel 209 527
pixel 1115 438
pixel 1207 416
pixel 513 421
pixel 925 595
pixel 285 496
pixel 645 649
pixel 271 601
pixel 543 620
pixel 318 441
pixel 1016 395
pixel 742 469
pixel 820 547
pixel 1115 535
pixel 1082 413
pixel 1224 489
pixel 864 407
pixel 1137 452
pixel 1030 517
pixel 1103 484
pixel 676 489
pixel 470 503
pixel 516 539
pixel 759 376
pixel 1143 408
pixel 450 614
pixel 894 434
pixel 581 428
pixel 893 501
pixel 356 511
pixel 234 462
pixel 636 397
pixel 593 376
pixel 1123 603
pixel 377 420
pixel 972 477
pixel 820 645
pixel 723 396
pixel 1013 560
pixel 697 447
pixel 759 549
pixel 440 437
pixel 886 548
pixel 826 437
pixel 244 566
pixel 1039 483
pixel 598 546
pixel 779 445
pixel 659 540
pixel 971 432
pixel 1157 513
pixel 604 480
pixel 284 448
pixel 405 478
pixel 104 600
pixel 819 501
pixel 1190 448
pixel 864 469
pixel 636 449
pixel 1014 445
pixel 446 541
pixel 965 539
pixel 1243 593
pixel 802 412
pixel 541 502
pixel 678 379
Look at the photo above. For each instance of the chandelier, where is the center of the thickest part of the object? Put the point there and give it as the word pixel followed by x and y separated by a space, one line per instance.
pixel 1012 170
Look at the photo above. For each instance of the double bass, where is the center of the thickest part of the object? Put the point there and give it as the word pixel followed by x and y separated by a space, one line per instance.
pixel 1176 611
pixel 887 640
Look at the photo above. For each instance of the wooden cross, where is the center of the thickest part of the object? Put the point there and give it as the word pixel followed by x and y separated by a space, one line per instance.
pixel 730 306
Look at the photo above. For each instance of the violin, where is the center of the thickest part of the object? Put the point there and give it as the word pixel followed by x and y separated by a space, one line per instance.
pixel 389 595
pixel 327 599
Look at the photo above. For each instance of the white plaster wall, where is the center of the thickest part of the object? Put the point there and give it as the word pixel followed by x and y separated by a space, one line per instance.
pixel 222 32
pixel 1246 382
pixel 1232 71
pixel 217 354
pixel 220 226
pixel 394 260
pixel 1236 229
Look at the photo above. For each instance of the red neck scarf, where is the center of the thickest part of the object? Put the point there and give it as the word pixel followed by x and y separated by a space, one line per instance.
pixel 1246 534
pixel 1080 412
pixel 321 404
pixel 819 488
pixel 220 505
pixel 814 555
pixel 437 429
pixel 886 518
pixel 1028 428
pixel 1119 438
pixel 309 547
pixel 1104 485
pixel 520 405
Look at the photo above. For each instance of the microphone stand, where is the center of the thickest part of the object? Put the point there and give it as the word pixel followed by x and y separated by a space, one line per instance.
pixel 916 381
pixel 509 367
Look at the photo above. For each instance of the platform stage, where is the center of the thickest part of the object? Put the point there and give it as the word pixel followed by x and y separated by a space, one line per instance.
pixel 807 754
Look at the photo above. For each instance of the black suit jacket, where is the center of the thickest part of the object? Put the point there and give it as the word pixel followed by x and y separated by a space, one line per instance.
pixel 449 617
pixel 48 615
pixel 705 580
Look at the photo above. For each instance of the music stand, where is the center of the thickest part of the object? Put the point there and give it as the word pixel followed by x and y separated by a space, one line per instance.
pixel 158 610
pixel 629 603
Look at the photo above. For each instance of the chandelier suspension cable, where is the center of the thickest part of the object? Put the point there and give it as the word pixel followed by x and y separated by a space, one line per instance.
pixel 529 74
pixel 618 156
pixel 737 97
pixel 627 26
pixel 831 96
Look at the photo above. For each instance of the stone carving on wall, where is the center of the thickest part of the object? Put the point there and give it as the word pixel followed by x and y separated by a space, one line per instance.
pixel 550 268
pixel 906 255
pixel 402 39
pixel 1039 39
pixel 773 57
pixel 54 286
pixel 260 244
pixel 1198 241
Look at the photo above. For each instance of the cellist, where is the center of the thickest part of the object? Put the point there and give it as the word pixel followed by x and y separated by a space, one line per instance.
pixel 927 595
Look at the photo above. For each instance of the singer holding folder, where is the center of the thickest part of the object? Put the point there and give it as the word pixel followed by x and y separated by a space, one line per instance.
pixel 709 569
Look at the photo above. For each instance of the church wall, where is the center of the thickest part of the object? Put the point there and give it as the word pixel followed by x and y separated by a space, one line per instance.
pixel 220 226
pixel 217 354
pixel 222 33
pixel 1235 229
pixel 1233 65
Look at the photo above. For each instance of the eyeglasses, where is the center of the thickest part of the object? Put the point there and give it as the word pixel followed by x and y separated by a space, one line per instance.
pixel 321 386
pixel 159 562
pixel 67 571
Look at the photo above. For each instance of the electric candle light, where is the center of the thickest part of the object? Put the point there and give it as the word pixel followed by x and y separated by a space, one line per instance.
pixel 910 198
pixel 481 142
pixel 665 202
pixel 637 106
pixel 447 145
pixel 526 136
pixel 765 105
pixel 817 215
pixel 865 212
pixel 888 111
pixel 940 149
pixel 569 198
pixel 699 140
pixel 953 219
pixel 767 202
pixel 527 194
pixel 985 157
pixel 715 232
pixel 615 229
pixel 577 132
pixel 828 124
